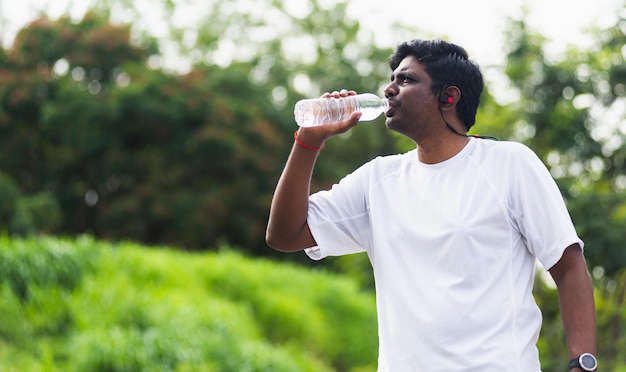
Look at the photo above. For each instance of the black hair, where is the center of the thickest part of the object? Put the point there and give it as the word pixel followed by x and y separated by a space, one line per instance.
pixel 447 64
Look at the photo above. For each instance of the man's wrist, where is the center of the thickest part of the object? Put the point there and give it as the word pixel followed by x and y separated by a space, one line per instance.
pixel 306 145
pixel 311 142
pixel 583 363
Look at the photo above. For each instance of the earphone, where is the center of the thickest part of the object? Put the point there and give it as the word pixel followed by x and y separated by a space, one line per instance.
pixel 445 98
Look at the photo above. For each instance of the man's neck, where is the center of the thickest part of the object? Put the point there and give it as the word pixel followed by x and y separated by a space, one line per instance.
pixel 437 150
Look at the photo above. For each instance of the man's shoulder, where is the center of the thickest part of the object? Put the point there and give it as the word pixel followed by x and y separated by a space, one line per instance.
pixel 503 150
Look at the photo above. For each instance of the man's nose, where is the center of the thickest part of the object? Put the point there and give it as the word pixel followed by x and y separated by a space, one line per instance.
pixel 390 90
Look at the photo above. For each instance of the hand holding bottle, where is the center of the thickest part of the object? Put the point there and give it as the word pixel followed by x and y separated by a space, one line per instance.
pixel 322 111
pixel 316 135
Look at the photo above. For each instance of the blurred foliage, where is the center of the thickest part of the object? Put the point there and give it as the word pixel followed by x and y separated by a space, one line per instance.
pixel 572 112
pixel 27 214
pixel 128 150
pixel 85 305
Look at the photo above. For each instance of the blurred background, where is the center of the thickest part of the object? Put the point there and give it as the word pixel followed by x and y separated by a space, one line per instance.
pixel 142 140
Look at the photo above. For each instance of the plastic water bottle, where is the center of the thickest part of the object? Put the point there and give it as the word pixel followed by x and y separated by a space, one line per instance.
pixel 320 111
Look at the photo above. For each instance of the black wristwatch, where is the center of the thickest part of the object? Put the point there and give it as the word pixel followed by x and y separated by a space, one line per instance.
pixel 586 362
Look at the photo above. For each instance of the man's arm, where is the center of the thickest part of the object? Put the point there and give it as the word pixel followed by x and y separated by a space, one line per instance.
pixel 576 302
pixel 287 228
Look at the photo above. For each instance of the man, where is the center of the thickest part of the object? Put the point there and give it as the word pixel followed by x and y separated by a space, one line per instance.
pixel 453 228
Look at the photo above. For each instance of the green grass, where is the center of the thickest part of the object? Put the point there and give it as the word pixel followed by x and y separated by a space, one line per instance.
pixel 85 305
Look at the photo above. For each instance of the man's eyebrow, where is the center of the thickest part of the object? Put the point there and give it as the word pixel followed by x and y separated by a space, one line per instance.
pixel 403 73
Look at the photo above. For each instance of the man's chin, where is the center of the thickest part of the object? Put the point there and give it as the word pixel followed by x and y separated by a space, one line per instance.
pixel 390 123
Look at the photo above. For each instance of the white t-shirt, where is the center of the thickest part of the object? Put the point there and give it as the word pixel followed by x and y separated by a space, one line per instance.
pixel 453 248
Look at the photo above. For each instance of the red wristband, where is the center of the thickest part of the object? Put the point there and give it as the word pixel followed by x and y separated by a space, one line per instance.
pixel 307 146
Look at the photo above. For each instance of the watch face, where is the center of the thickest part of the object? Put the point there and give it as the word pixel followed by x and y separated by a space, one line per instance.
pixel 588 362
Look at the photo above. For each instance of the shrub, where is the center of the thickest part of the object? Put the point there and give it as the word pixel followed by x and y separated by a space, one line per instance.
pixel 42 262
pixel 88 305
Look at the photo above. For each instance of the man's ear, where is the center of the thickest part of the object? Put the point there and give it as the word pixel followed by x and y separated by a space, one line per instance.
pixel 449 95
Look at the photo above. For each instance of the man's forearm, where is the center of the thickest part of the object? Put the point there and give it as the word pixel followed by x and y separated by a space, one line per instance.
pixel 579 316
pixel 576 302
pixel 287 229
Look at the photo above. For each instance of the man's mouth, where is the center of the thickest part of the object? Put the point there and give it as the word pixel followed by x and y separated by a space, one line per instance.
pixel 391 109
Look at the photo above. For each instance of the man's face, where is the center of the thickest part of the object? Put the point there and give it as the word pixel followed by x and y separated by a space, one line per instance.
pixel 412 104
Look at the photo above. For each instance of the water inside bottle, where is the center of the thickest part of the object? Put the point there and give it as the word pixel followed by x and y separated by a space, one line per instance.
pixel 371 112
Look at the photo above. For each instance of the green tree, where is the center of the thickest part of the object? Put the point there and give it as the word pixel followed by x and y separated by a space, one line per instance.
pixel 570 113
pixel 135 152
pixel 131 150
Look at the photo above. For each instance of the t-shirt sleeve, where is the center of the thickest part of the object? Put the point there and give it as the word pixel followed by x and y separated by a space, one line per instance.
pixel 540 211
pixel 338 218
